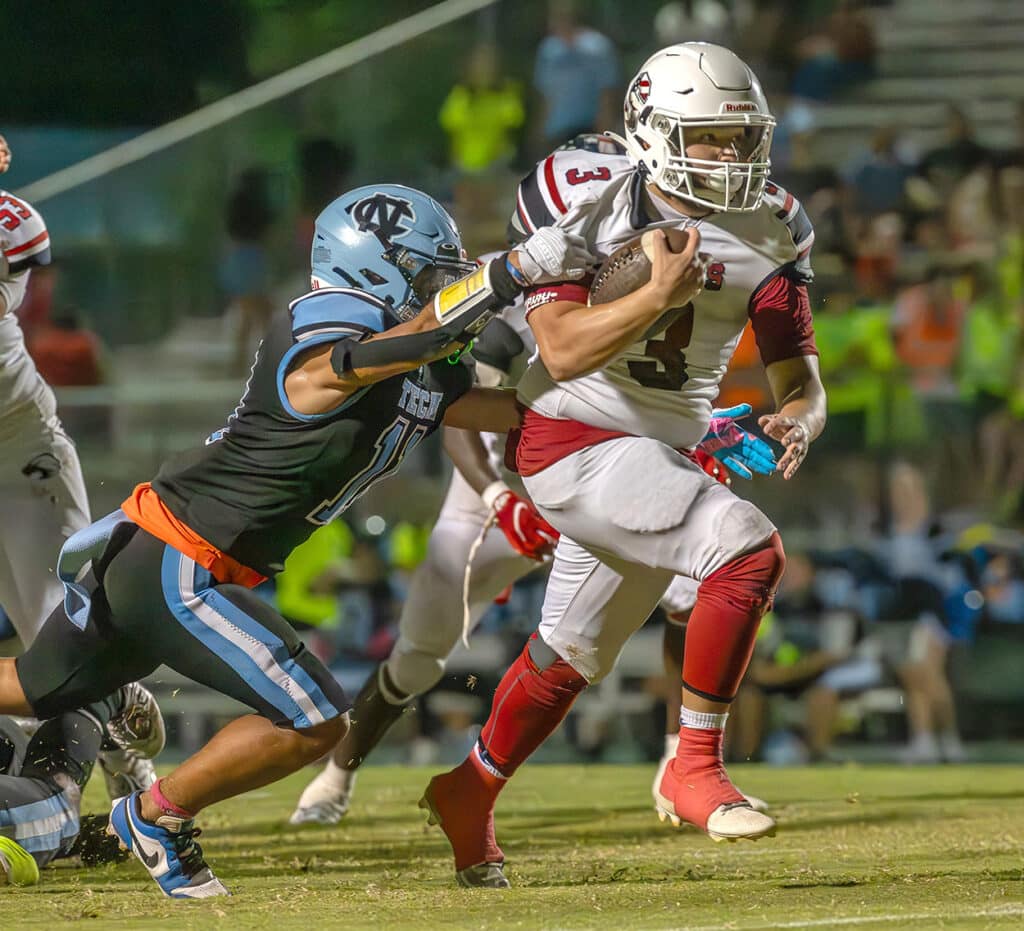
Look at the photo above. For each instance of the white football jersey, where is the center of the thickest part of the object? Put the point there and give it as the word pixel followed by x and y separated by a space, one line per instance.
pixel 24 243
pixel 662 387
pixel 461 499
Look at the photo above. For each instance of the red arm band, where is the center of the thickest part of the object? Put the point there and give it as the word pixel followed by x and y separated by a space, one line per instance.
pixel 577 292
pixel 780 314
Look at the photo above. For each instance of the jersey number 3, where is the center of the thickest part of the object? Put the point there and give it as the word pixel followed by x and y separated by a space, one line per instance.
pixel 575 176
pixel 665 365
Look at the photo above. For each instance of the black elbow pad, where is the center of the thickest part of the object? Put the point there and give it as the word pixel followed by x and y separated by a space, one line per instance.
pixel 349 354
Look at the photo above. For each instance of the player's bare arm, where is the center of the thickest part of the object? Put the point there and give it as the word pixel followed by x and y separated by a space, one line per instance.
pixel 319 380
pixel 469 455
pixel 486 410
pixel 800 418
pixel 325 377
pixel 575 339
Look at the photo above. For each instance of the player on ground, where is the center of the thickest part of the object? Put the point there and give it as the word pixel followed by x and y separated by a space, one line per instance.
pixel 41 780
pixel 619 395
pixel 42 494
pixel 432 615
pixel 342 387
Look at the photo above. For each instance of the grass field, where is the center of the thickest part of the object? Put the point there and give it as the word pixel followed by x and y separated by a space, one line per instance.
pixel 864 847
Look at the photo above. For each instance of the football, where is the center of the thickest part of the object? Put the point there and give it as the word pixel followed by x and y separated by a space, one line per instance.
pixel 629 266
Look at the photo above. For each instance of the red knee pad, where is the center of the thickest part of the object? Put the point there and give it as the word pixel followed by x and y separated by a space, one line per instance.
pixel 723 626
pixel 749 580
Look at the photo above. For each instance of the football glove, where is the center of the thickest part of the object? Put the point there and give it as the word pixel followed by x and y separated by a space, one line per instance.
pixel 528 533
pixel 739 451
pixel 551 254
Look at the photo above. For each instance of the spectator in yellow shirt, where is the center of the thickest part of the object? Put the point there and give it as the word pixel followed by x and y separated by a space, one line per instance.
pixel 482 114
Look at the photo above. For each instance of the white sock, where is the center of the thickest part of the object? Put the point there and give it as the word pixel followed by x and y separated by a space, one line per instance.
pixel 702 720
pixel 334 777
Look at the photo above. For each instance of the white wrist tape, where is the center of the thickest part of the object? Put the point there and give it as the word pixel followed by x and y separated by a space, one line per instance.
pixel 493 492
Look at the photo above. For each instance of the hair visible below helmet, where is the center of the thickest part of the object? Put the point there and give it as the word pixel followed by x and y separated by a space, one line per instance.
pixel 691 85
pixel 391 240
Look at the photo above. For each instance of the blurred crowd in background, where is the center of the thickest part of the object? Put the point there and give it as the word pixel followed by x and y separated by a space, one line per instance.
pixel 901 616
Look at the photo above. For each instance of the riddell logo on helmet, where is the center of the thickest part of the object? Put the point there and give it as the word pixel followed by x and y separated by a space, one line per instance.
pixel 742 107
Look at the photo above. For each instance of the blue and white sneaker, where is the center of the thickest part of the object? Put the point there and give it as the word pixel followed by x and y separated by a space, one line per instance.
pixel 167 849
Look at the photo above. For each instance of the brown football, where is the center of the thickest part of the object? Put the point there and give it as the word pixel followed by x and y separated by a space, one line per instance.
pixel 629 266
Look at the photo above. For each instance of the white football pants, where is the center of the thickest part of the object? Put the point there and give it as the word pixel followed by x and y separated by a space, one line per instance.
pixel 633 513
pixel 42 502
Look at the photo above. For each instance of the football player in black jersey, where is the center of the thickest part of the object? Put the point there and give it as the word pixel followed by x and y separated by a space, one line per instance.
pixel 343 386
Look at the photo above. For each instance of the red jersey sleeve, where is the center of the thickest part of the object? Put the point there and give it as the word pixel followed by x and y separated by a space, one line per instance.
pixel 780 314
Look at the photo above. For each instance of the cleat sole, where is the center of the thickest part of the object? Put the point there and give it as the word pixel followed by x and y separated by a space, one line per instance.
pixel 433 818
pixel 732 838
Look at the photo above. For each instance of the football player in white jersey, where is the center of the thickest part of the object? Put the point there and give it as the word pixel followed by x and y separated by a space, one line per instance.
pixel 432 620
pixel 620 395
pixel 42 494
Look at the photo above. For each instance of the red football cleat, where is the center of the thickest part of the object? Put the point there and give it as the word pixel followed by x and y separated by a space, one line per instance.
pixel 697 789
pixel 464 810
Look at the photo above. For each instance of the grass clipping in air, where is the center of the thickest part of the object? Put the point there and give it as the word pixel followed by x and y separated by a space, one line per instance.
pixel 860 847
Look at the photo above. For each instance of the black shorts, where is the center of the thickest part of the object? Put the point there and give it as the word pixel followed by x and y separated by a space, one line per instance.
pixel 146 604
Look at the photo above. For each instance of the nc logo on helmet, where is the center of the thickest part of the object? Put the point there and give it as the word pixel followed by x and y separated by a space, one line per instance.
pixel 641 88
pixel 383 215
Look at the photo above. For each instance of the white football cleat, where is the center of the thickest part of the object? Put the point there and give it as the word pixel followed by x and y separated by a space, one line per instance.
pixel 735 822
pixel 327 798
pixel 138 735
pixel 671 743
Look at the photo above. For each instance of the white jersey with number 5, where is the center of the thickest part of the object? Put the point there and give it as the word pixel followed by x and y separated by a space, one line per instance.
pixel 663 386
pixel 24 244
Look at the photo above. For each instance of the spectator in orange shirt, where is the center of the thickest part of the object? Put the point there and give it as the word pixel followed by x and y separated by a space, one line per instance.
pixel 65 352
pixel 68 354
pixel 926 327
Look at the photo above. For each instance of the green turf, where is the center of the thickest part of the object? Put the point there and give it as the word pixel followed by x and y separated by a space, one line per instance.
pixel 863 847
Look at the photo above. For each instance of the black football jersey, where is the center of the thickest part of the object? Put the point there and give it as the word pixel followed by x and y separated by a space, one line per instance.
pixel 265 481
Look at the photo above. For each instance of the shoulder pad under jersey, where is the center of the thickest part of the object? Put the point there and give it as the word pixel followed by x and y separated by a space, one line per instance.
pixel 569 178
pixel 594 142
pixel 23 236
pixel 342 311
pixel 791 214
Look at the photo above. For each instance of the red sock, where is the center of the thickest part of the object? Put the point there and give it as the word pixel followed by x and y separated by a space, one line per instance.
pixel 528 705
pixel 723 625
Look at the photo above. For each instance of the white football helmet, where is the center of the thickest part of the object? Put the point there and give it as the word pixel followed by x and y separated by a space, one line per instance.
pixel 690 85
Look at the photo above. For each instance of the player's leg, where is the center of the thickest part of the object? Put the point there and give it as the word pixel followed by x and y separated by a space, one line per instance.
pixel 591 607
pixel 39 802
pixel 40 793
pixel 229 639
pixel 683 521
pixel 430 626
pixel 13 742
pixel 677 604
pixel 42 503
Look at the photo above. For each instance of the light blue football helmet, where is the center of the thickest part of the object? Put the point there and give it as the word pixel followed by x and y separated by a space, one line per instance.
pixel 391 240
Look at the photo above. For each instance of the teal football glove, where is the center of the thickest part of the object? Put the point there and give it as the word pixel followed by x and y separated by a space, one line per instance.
pixel 740 452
